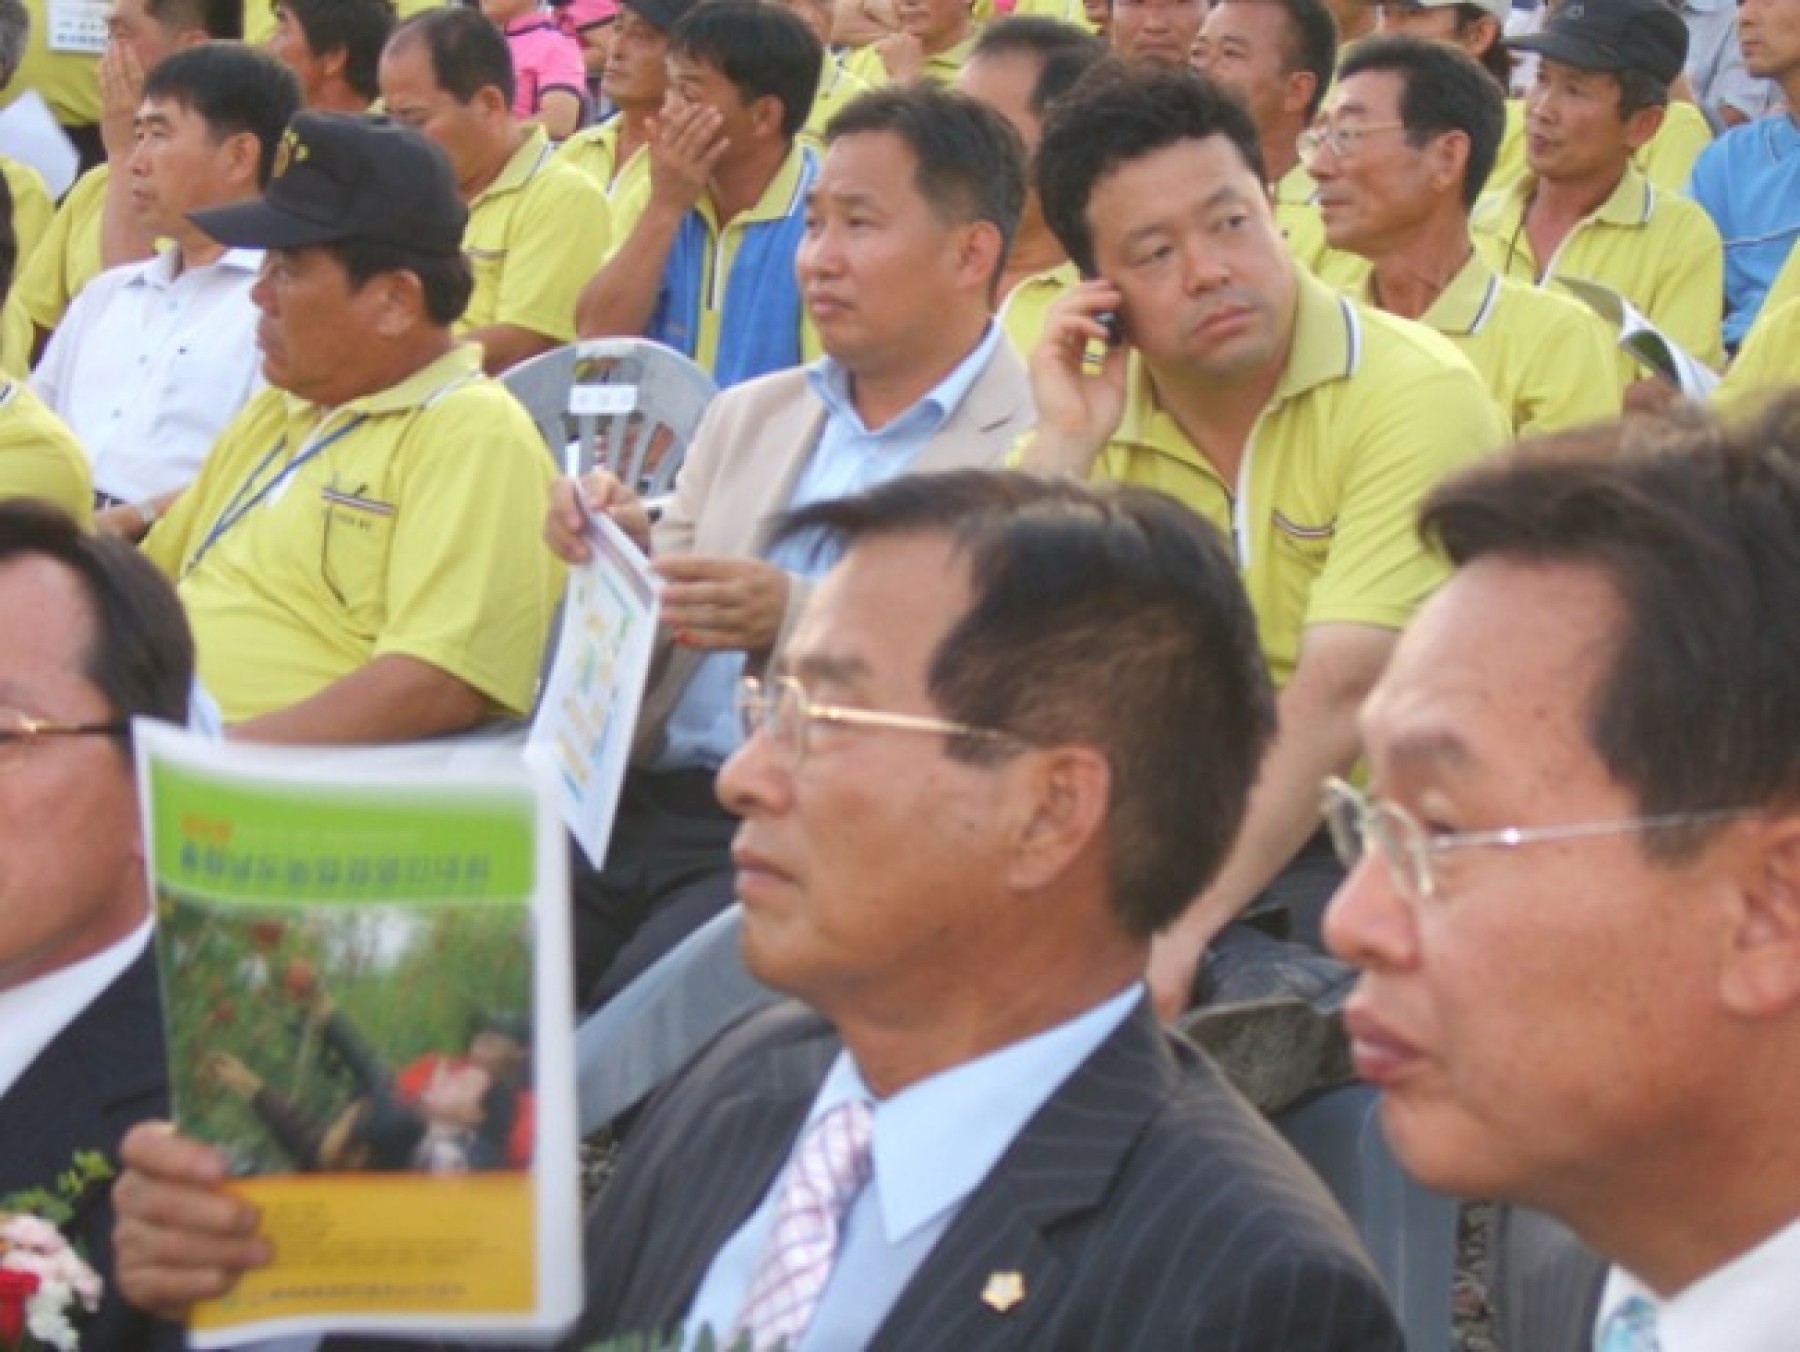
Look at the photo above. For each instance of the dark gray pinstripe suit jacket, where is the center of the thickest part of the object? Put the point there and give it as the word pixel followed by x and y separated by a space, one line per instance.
pixel 1145 1206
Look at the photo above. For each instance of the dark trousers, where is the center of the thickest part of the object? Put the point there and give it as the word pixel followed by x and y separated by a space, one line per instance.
pixel 668 871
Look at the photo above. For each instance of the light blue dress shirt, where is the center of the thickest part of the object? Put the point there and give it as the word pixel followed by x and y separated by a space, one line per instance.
pixel 933 1144
pixel 702 729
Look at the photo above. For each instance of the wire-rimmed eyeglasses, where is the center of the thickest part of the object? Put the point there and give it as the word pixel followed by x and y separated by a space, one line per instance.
pixel 781 709
pixel 1354 818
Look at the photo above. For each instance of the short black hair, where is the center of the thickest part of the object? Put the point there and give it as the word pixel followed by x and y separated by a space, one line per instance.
pixel 1312 45
pixel 761 49
pixel 1638 90
pixel 222 20
pixel 15 29
pixel 233 89
pixel 1122 111
pixel 1062 51
pixel 357 28
pixel 446 279
pixel 1696 525
pixel 1442 89
pixel 468 54
pixel 141 657
pixel 970 161
pixel 1106 616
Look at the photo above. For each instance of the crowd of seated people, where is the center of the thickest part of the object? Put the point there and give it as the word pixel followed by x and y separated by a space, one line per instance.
pixel 1274 280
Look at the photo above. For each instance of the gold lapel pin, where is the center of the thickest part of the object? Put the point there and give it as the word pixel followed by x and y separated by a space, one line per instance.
pixel 1003 1291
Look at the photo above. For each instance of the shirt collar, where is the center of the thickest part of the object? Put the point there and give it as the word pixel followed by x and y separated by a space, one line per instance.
pixel 35 1014
pixel 935 1141
pixel 1296 188
pixel 533 153
pixel 780 199
pixel 1630 202
pixel 1748 1305
pixel 159 270
pixel 830 382
pixel 1465 305
pixel 459 366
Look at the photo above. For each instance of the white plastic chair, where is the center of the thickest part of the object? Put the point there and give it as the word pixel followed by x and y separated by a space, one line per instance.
pixel 626 405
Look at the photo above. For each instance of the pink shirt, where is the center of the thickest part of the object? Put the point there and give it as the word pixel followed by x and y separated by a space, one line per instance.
pixel 544 58
pixel 579 15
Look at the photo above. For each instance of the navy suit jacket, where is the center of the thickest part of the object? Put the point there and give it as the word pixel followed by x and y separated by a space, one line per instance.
pixel 1145 1206
pixel 106 1072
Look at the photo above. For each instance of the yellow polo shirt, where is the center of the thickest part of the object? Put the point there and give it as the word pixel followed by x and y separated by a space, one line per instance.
pixel 866 65
pixel 837 87
pixel 66 259
pixel 32 208
pixel 779 199
pixel 1022 312
pixel 1370 413
pixel 1509 161
pixel 1667 159
pixel 39 457
pixel 68 81
pixel 407 522
pixel 535 235
pixel 1662 253
pixel 1297 217
pixel 1547 358
pixel 595 152
pixel 1768 361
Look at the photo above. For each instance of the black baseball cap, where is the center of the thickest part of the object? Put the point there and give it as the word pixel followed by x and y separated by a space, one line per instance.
pixel 342 176
pixel 665 14
pixel 1612 36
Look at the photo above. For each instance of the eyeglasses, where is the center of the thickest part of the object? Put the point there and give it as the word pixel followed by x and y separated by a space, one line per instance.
pixel 1341 141
pixel 19 729
pixel 1355 819
pixel 780 709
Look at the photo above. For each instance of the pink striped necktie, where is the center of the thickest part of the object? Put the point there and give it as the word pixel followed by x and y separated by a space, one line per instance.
pixel 830 1169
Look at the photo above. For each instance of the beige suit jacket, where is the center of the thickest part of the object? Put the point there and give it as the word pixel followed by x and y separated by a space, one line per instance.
pixel 739 478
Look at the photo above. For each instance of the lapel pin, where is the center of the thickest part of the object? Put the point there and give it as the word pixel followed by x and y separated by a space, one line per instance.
pixel 1003 1291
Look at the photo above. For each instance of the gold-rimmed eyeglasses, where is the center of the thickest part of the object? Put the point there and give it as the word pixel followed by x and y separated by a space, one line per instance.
pixel 1341 140
pixel 781 709
pixel 1356 819
pixel 20 729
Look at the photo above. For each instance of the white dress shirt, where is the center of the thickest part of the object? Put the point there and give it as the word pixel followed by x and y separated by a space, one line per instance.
pixel 149 365
pixel 34 1015
pixel 1752 1304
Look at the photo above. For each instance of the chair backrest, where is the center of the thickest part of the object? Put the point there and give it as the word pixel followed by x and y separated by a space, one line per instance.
pixel 1410 1233
pixel 626 405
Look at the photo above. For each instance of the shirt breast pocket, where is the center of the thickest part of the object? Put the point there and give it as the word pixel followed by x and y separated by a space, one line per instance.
pixel 486 265
pixel 353 556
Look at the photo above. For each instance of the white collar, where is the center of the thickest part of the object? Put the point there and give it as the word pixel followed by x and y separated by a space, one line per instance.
pixel 1752 1304
pixel 34 1015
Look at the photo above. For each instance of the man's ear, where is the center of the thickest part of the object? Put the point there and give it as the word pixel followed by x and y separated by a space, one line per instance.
pixel 400 302
pixel 766 115
pixel 242 151
pixel 978 250
pixel 1450 161
pixel 1641 126
pixel 1298 87
pixel 1761 969
pixel 1064 793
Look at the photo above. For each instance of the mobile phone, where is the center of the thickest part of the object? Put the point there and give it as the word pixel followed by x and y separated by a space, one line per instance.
pixel 1110 320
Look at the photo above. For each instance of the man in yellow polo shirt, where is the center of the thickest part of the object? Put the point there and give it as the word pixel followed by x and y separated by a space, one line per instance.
pixel 95 227
pixel 537 228
pixel 1411 128
pixel 359 556
pixel 635 80
pixel 706 263
pixel 39 456
pixel 1278 56
pixel 1304 426
pixel 935 37
pixel 1019 65
pixel 1583 211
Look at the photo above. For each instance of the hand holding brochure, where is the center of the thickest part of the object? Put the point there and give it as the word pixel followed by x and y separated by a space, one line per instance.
pixel 365 967
pixel 1643 340
pixel 581 736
